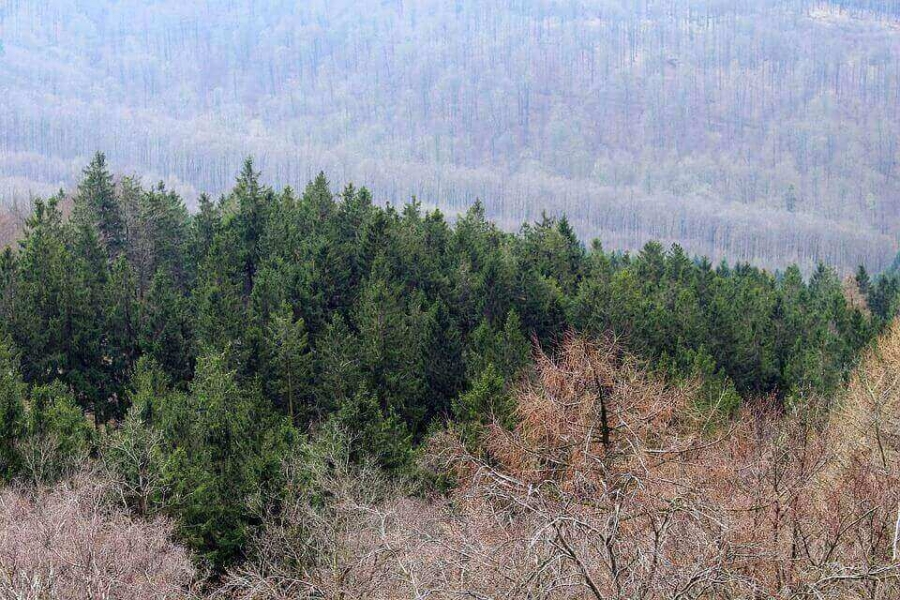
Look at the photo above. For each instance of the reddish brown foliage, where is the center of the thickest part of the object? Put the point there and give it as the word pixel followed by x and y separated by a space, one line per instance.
pixel 608 488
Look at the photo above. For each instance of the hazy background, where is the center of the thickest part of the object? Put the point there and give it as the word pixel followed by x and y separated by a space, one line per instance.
pixel 762 130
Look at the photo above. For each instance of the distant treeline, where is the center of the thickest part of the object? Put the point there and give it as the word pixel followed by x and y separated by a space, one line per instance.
pixel 885 7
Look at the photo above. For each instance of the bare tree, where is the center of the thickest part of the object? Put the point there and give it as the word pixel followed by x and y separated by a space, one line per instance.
pixel 68 543
pixel 649 502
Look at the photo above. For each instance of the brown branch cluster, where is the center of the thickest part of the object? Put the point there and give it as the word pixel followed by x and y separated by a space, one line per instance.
pixel 69 543
pixel 614 485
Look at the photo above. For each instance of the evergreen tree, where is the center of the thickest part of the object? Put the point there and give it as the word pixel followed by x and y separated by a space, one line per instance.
pixel 163 237
pixel 251 201
pixel 318 200
pixel 40 323
pixel 219 299
pixel 87 362
pixel 223 449
pixel 96 205
pixel 443 361
pixel 291 363
pixel 204 227
pixel 166 331
pixel 59 437
pixel 863 282
pixel 12 411
pixel 379 434
pixel 120 340
pixel 487 401
pixel 884 297
pixel 338 368
pixel 391 351
pixel 506 351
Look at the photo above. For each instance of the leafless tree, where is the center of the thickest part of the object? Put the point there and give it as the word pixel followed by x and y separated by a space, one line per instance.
pixel 648 501
pixel 69 543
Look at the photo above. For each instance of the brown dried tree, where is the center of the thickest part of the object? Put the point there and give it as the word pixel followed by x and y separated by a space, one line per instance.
pixel 614 485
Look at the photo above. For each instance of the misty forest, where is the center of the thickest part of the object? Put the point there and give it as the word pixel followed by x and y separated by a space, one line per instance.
pixel 756 130
pixel 441 300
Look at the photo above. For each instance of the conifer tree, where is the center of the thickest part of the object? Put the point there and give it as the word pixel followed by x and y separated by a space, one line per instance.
pixel 84 311
pixel 12 411
pixel 487 401
pixel 338 368
pixel 40 323
pixel 380 434
pixel 204 227
pixel 223 448
pixel 167 328
pixel 120 339
pixel 391 351
pixel 59 437
pixel 863 281
pixel 253 200
pixel 319 200
pixel 96 205
pixel 291 362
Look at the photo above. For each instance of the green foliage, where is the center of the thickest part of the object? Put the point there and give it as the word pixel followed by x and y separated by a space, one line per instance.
pixel 378 434
pixel 506 351
pixel 96 206
pixel 223 446
pixel 166 330
pixel 487 401
pixel 43 434
pixel 207 343
pixel 12 411
pixel 717 396
pixel 59 438
pixel 290 364
pixel 884 296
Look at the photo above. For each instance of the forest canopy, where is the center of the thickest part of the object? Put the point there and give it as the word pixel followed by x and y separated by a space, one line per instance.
pixel 324 299
pixel 249 386
pixel 615 314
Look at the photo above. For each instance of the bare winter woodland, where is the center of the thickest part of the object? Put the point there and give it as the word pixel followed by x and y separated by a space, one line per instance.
pixel 70 543
pixel 763 130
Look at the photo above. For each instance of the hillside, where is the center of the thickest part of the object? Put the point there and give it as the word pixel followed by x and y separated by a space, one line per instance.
pixel 762 130
pixel 308 395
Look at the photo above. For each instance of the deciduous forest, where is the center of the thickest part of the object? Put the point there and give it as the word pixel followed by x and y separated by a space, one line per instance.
pixel 306 394
pixel 753 130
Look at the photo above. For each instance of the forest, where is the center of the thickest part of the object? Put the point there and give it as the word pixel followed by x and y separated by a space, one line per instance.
pixel 312 394
pixel 760 131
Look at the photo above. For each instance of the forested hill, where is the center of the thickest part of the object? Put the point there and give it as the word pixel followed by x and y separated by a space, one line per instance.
pixel 763 130
pixel 208 343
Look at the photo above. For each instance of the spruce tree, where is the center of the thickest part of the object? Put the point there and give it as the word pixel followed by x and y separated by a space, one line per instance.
pixel 166 330
pixel 291 362
pixel 96 204
pixel 204 227
pixel 224 448
pixel 338 368
pixel 12 411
